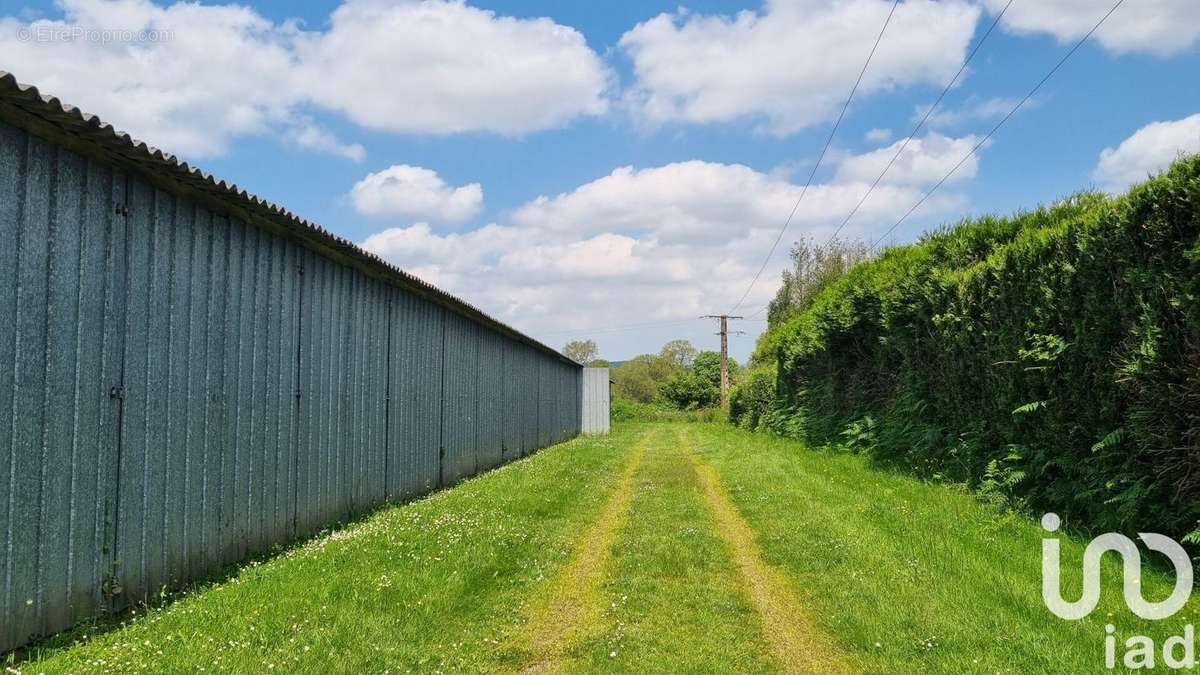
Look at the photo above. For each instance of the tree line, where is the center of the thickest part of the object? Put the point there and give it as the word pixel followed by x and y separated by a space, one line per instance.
pixel 678 377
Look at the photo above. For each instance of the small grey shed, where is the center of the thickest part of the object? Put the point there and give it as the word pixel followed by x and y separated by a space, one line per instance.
pixel 595 401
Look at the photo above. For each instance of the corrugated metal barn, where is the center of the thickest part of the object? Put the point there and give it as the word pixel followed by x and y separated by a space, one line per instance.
pixel 191 375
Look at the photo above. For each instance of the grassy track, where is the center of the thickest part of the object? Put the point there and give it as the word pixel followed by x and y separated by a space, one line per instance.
pixel 430 586
pixel 797 642
pixel 570 607
pixel 913 577
pixel 673 597
pixel 663 548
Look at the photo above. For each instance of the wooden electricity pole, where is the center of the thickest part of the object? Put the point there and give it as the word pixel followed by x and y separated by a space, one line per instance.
pixel 724 320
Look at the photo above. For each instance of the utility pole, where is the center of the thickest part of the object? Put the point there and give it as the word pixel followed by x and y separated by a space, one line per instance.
pixel 724 322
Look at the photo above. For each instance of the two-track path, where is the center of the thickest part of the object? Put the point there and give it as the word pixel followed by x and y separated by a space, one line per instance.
pixel 662 548
pixel 704 595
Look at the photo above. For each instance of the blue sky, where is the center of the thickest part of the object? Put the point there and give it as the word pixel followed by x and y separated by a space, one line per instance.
pixel 575 166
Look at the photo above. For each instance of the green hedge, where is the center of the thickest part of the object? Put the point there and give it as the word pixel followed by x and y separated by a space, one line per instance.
pixel 751 400
pixel 1052 357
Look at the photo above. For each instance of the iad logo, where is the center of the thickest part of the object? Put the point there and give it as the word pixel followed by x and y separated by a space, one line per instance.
pixel 1178 651
pixel 1132 559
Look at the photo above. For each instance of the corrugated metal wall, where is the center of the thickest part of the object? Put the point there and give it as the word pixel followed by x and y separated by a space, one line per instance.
pixel 184 389
pixel 596 401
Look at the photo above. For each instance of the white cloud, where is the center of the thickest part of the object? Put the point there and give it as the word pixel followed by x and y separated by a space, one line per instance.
pixel 602 256
pixel 924 160
pixel 418 245
pixel 1159 27
pixel 403 190
pixel 695 201
pixel 878 135
pixel 975 109
pixel 667 242
pixel 226 71
pixel 791 63
pixel 1149 150
pixel 308 135
pixel 444 67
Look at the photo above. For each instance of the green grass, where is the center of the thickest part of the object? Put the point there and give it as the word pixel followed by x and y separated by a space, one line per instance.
pixel 916 577
pixel 432 585
pixel 674 596
pixel 902 575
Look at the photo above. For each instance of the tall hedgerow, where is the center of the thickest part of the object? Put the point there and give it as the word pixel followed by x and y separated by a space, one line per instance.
pixel 752 398
pixel 1052 357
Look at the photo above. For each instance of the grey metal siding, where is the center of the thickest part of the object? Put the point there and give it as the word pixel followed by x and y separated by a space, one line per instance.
pixel 416 378
pixel 596 400
pixel 460 400
pixel 531 376
pixel 490 376
pixel 183 388
pixel 206 443
pixel 55 441
pixel 545 418
pixel 513 391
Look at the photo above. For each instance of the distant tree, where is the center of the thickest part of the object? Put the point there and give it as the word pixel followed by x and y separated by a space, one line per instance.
pixel 638 379
pixel 688 390
pixel 583 351
pixel 679 352
pixel 707 366
pixel 634 380
pixel 814 267
pixel 600 363
pixel 658 367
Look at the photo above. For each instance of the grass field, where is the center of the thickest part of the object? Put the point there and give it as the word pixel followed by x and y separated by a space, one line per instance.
pixel 662 548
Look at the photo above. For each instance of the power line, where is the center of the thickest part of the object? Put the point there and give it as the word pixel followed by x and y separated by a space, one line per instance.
pixel 820 157
pixel 924 119
pixel 998 124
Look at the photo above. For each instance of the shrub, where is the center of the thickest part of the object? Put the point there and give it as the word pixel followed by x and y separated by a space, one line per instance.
pixel 1052 357
pixel 687 390
pixel 751 399
pixel 625 410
